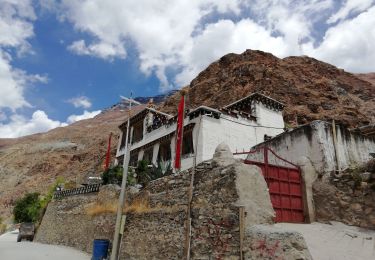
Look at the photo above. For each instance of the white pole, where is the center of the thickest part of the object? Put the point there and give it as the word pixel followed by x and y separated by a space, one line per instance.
pixel 116 238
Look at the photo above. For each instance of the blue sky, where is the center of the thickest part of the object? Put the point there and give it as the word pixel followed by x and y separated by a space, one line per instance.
pixel 62 61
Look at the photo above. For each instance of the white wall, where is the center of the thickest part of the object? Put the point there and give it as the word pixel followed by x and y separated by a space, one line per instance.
pixel 239 133
pixel 315 142
pixel 268 117
pixel 214 131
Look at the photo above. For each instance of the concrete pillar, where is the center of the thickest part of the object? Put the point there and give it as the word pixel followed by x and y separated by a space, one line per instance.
pixel 309 175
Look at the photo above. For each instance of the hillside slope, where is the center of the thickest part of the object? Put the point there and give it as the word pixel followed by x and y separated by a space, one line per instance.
pixel 309 88
pixel 32 163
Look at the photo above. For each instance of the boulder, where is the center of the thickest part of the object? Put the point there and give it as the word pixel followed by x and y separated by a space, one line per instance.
pixel 270 242
pixel 223 156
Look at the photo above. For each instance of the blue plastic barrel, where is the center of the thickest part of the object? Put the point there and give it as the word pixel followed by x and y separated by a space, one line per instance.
pixel 100 249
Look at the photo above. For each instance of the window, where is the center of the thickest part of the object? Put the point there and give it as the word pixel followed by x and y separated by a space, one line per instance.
pixel 133 159
pixel 123 139
pixel 165 151
pixel 137 132
pixel 187 143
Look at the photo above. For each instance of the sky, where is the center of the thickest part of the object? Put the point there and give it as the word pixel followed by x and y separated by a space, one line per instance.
pixel 67 60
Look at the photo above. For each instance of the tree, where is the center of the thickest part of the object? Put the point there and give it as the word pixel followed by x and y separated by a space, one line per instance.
pixel 28 208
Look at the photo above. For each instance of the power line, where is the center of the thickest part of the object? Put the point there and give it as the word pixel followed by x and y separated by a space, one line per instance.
pixel 256 126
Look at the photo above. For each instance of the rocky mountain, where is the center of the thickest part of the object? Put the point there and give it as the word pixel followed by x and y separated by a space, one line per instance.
pixel 309 88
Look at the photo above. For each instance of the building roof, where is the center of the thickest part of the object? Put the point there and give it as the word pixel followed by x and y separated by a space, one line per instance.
pixel 269 102
pixel 141 114
pixel 204 110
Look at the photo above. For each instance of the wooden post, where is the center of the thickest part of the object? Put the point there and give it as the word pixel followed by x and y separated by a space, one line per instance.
pixel 190 199
pixel 335 146
pixel 265 155
pixel 242 229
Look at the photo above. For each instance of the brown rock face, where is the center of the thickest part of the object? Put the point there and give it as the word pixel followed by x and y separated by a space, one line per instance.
pixel 309 88
pixel 369 77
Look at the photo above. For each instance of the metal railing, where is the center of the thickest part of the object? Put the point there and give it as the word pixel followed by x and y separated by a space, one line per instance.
pixel 76 191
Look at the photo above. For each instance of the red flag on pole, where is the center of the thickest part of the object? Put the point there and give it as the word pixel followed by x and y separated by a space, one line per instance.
pixel 108 155
pixel 179 132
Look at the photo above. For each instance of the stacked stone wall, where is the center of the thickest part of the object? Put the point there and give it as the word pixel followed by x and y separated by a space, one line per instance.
pixel 157 228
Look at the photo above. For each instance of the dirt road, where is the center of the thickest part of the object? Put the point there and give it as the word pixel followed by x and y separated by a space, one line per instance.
pixel 336 241
pixel 11 250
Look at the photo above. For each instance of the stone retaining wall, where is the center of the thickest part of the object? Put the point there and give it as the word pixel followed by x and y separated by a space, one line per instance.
pixel 158 231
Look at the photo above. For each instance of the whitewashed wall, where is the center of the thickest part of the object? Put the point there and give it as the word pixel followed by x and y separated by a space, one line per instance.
pixel 315 141
pixel 239 133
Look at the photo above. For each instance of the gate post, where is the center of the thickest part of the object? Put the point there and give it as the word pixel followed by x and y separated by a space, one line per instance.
pixel 265 158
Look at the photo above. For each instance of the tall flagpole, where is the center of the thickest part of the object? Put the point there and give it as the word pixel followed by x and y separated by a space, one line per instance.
pixel 116 238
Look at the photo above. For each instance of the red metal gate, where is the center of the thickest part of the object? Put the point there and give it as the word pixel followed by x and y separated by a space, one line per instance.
pixel 284 183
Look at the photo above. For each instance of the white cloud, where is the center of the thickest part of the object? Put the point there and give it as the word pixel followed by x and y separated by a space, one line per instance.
pixel 20 126
pixel 16 27
pixel 102 50
pixel 39 122
pixel 349 7
pixel 86 115
pixel 81 101
pixel 349 44
pixel 176 39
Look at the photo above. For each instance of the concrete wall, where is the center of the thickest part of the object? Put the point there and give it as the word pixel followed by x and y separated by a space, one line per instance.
pixel 312 148
pixel 315 142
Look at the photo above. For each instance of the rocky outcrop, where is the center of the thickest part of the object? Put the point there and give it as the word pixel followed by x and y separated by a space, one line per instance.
pixel 310 89
pixel 349 198
pixel 269 242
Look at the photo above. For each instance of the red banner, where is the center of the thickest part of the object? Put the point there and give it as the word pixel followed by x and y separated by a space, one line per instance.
pixel 179 132
pixel 108 155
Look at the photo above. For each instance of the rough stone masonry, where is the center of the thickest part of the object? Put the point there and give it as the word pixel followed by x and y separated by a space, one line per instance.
pixel 221 187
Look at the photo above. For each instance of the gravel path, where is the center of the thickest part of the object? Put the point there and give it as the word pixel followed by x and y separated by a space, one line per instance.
pixel 11 250
pixel 336 241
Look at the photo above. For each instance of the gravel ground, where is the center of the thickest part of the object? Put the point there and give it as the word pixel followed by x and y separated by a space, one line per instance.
pixel 336 241
pixel 10 249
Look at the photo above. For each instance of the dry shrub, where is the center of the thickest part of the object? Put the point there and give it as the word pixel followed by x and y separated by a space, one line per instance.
pixel 138 206
pixel 98 209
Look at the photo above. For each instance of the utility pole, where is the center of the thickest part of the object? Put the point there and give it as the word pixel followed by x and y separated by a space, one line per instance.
pixel 121 201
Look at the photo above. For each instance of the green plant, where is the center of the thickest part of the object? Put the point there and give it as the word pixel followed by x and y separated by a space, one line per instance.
pixel 114 176
pixel 143 173
pixel 163 168
pixel 51 190
pixel 357 179
pixel 28 208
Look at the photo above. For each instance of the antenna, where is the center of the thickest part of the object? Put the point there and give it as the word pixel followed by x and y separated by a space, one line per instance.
pixel 129 100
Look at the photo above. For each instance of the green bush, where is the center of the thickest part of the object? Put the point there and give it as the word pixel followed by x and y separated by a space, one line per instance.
pixel 28 208
pixel 114 176
pixel 163 168
pixel 48 197
pixel 143 173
